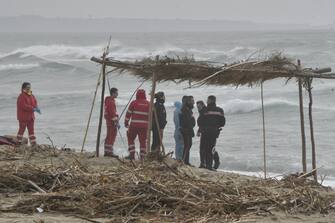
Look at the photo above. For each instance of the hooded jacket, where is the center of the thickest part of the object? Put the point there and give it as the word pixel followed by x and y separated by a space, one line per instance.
pixel 212 119
pixel 25 106
pixel 138 111
pixel 176 114
pixel 187 120
pixel 110 109
pixel 161 115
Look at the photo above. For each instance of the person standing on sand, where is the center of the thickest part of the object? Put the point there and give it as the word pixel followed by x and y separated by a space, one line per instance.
pixel 178 137
pixel 187 123
pixel 157 131
pixel 201 107
pixel 112 122
pixel 138 116
pixel 211 123
pixel 26 106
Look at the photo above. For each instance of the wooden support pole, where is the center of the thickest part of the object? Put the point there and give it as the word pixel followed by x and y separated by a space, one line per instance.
pixel 152 96
pixel 102 103
pixel 302 124
pixel 309 89
pixel 264 142
pixel 91 111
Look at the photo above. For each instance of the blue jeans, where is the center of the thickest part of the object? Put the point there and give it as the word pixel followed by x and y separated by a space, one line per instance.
pixel 179 145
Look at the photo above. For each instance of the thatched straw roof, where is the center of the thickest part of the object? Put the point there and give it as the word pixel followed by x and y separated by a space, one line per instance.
pixel 242 73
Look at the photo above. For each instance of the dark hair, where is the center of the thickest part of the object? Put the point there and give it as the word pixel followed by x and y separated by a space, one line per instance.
pixel 212 98
pixel 113 90
pixel 25 85
pixel 184 99
pixel 200 102
pixel 159 94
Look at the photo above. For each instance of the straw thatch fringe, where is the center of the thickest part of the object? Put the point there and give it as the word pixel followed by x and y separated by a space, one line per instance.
pixel 188 69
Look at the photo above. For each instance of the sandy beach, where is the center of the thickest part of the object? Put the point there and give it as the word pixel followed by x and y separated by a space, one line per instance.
pixel 45 184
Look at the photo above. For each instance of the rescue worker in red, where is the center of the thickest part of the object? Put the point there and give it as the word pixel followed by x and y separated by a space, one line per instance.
pixel 112 122
pixel 136 121
pixel 26 106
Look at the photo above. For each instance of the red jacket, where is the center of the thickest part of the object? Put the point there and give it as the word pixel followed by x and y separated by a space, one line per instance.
pixel 25 105
pixel 138 111
pixel 110 109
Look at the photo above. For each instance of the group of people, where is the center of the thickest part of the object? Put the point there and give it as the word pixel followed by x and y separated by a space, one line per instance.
pixel 210 122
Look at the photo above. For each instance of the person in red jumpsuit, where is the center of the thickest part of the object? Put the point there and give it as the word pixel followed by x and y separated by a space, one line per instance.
pixel 112 122
pixel 26 106
pixel 138 116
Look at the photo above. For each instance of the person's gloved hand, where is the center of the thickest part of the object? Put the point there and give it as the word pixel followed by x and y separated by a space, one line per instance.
pixel 37 110
pixel 126 124
pixel 118 126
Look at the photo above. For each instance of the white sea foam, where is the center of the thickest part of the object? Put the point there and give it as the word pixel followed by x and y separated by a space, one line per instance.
pixel 237 106
pixel 62 52
pixel 18 66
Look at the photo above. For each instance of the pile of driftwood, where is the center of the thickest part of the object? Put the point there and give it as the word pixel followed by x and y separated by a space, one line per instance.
pixel 156 191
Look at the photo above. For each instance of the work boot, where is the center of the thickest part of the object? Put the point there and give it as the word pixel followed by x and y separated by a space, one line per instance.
pixel 130 157
pixel 216 159
pixel 111 155
pixel 202 166
pixel 211 169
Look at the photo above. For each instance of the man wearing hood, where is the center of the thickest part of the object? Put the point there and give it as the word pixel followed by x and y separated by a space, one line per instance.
pixel 178 137
pixel 159 114
pixel 138 116
pixel 187 123
pixel 26 106
pixel 112 122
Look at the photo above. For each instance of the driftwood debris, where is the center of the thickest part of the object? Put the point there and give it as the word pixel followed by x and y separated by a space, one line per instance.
pixel 157 191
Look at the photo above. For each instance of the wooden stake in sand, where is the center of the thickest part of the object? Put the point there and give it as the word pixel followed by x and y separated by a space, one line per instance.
pixel 264 142
pixel 152 96
pixel 309 89
pixel 302 124
pixel 104 55
pixel 102 103
pixel 91 111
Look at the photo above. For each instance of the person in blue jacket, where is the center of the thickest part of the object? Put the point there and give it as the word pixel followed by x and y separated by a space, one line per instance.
pixel 177 134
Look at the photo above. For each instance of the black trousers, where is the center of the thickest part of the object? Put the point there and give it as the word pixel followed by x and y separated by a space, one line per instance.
pixel 156 141
pixel 202 151
pixel 187 146
pixel 209 144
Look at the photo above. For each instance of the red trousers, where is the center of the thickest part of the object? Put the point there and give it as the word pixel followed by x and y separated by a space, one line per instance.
pixel 110 138
pixel 22 129
pixel 132 133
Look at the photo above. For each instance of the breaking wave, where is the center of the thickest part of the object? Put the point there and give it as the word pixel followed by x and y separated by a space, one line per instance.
pixel 61 52
pixel 18 66
pixel 238 106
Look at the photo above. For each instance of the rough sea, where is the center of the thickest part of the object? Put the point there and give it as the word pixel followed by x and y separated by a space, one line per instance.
pixel 63 80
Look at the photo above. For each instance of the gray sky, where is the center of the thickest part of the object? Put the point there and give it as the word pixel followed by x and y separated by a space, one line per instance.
pixel 315 12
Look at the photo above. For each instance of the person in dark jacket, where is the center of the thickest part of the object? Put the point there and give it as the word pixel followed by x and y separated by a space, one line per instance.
pixel 187 123
pixel 201 107
pixel 157 131
pixel 211 123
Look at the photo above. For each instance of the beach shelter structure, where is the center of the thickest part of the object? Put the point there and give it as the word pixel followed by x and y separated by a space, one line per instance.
pixel 248 73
